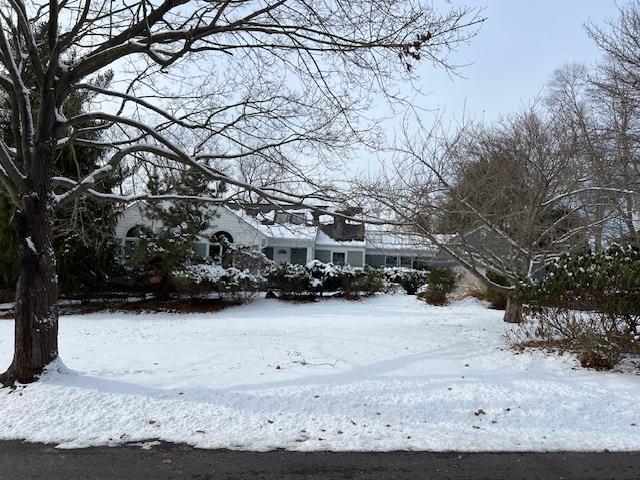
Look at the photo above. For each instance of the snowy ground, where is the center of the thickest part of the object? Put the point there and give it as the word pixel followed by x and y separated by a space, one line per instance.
pixel 387 373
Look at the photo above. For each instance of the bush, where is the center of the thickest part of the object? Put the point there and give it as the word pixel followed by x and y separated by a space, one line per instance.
pixel 408 278
pixel 317 278
pixel 587 304
pixel 291 280
pixel 245 258
pixel 440 283
pixel 238 286
pixel 599 340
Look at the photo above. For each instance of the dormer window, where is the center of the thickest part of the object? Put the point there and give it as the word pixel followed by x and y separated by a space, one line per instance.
pixel 286 217
pixel 281 217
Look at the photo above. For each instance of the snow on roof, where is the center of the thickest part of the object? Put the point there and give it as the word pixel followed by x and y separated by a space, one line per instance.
pixel 288 231
pixel 325 240
pixel 390 240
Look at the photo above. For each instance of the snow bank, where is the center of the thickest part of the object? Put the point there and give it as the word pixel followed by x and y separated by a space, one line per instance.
pixel 387 373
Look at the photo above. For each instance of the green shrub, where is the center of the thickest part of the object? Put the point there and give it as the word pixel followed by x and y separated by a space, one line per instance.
pixel 317 278
pixel 588 304
pixel 291 280
pixel 408 278
pixel 440 283
pixel 239 286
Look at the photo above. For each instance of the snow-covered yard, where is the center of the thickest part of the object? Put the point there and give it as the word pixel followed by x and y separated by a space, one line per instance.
pixel 387 373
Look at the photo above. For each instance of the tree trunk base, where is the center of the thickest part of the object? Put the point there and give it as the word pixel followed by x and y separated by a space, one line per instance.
pixel 513 311
pixel 11 376
pixel 9 379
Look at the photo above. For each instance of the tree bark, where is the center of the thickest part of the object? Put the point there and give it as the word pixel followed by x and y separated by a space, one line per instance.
pixel 36 314
pixel 513 312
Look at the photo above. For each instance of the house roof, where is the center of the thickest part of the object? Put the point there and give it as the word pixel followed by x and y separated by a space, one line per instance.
pixel 325 240
pixel 386 240
pixel 288 231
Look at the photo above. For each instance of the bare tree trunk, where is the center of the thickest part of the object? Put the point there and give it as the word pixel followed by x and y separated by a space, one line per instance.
pixel 36 314
pixel 513 312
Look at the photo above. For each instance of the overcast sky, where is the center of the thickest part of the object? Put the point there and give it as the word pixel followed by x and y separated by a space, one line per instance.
pixel 507 64
pixel 515 52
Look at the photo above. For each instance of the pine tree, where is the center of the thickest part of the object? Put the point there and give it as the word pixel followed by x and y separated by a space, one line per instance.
pixel 84 229
pixel 181 225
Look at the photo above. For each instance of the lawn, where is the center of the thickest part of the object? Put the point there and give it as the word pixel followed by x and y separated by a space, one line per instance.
pixel 386 373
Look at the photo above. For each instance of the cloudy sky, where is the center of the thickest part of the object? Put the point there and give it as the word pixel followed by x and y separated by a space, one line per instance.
pixel 517 49
pixel 505 66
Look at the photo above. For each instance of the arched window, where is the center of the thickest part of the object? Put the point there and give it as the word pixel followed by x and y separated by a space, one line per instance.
pixel 132 237
pixel 218 243
pixel 135 232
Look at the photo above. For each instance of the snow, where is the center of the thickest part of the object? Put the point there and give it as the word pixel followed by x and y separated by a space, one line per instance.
pixel 288 231
pixel 324 240
pixel 30 244
pixel 386 373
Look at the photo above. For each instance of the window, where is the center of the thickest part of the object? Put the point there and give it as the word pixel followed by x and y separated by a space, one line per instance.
pixel 286 217
pixel 299 256
pixel 338 258
pixel 281 217
pixel 355 258
pixel 323 255
pixel 297 219
pixel 218 243
pixel 200 249
pixel 135 232
pixel 406 262
pixel 391 261
pixel 375 260
pixel 132 238
pixel 421 263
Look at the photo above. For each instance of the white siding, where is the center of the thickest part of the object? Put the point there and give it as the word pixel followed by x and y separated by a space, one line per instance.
pixel 132 216
pixel 243 234
pixel 222 221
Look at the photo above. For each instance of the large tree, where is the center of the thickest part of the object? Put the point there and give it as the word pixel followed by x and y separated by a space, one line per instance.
pixel 83 229
pixel 504 195
pixel 200 85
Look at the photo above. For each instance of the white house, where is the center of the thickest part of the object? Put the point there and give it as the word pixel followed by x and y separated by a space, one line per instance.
pixel 295 236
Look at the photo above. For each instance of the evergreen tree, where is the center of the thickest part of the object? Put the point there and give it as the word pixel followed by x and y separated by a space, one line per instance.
pixel 181 225
pixel 84 229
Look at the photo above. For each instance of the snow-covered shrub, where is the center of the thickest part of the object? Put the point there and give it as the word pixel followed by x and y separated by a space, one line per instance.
pixel 231 283
pixel 408 278
pixel 355 281
pixel 440 283
pixel 245 258
pixel 589 304
pixel 316 278
pixel 291 280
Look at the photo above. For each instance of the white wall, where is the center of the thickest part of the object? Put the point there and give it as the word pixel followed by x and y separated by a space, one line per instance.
pixel 221 221
pixel 132 216
pixel 243 234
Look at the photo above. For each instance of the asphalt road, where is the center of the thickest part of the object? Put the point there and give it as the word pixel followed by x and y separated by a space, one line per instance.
pixel 35 461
